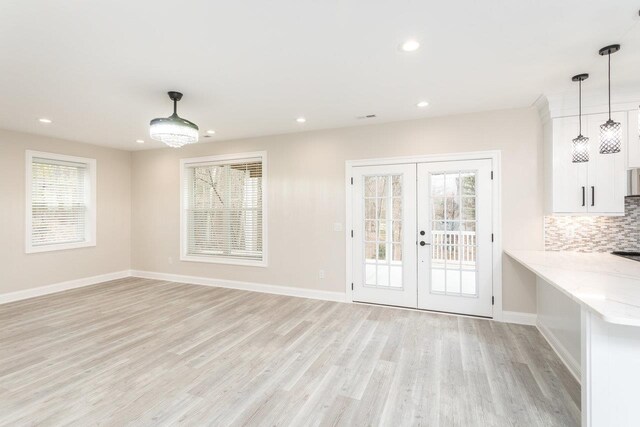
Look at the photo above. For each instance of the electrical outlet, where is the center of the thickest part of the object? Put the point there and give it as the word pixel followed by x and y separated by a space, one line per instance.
pixel 321 274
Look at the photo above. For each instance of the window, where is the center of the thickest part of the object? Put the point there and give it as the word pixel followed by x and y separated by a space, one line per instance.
pixel 223 209
pixel 61 202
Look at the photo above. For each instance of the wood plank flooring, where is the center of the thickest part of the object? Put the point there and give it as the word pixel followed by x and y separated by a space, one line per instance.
pixel 145 352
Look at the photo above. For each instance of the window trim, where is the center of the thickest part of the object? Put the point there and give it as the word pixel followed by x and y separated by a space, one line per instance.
pixel 262 155
pixel 90 233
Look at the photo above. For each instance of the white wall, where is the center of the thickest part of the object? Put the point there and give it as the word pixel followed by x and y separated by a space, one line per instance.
pixel 20 271
pixel 307 196
pixel 559 321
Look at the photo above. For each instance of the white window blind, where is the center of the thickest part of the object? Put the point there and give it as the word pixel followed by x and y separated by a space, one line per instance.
pixel 60 211
pixel 224 209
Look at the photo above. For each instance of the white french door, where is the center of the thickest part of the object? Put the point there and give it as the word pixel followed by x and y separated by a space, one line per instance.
pixel 455 250
pixel 384 235
pixel 422 236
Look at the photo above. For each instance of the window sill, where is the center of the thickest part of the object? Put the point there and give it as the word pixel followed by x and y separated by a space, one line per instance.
pixel 58 247
pixel 220 260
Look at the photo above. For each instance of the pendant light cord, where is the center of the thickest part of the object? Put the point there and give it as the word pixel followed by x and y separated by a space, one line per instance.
pixel 609 78
pixel 580 105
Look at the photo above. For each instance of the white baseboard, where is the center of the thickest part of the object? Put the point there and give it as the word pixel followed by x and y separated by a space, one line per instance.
pixel 245 286
pixel 519 318
pixel 62 286
pixel 572 364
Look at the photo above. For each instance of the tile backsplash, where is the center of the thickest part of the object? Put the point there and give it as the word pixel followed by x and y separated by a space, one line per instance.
pixel 595 233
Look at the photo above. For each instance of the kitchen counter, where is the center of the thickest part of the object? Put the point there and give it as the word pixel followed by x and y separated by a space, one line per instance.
pixel 603 290
pixel 607 285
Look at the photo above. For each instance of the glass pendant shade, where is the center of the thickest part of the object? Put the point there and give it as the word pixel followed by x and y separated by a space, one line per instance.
pixel 610 137
pixel 610 131
pixel 580 145
pixel 580 149
pixel 174 130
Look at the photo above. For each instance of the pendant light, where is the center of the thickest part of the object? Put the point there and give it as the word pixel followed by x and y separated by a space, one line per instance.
pixel 174 130
pixel 580 146
pixel 610 131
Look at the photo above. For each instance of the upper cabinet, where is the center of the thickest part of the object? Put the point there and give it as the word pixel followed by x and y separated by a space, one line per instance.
pixel 594 187
pixel 634 139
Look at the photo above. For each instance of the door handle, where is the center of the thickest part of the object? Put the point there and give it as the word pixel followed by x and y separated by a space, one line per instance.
pixel 583 192
pixel 423 243
pixel 593 195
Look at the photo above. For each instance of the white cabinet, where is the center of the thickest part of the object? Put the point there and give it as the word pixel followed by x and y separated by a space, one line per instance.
pixel 634 139
pixel 594 187
pixel 569 182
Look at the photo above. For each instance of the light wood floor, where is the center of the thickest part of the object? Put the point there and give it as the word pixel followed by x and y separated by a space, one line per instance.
pixel 145 352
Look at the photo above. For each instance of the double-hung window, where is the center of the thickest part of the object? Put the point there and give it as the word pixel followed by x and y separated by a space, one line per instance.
pixel 223 209
pixel 61 202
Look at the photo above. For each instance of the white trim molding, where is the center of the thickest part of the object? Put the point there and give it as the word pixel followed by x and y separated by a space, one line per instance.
pixel 90 198
pixel 494 155
pixel 563 354
pixel 260 156
pixel 245 286
pixel 519 318
pixel 62 286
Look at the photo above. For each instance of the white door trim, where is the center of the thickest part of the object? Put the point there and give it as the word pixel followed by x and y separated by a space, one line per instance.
pixel 494 155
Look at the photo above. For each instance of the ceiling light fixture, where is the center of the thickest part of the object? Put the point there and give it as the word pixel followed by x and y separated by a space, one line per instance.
pixel 610 131
pixel 174 130
pixel 301 120
pixel 580 146
pixel 43 120
pixel 140 141
pixel 410 46
pixel 211 131
pixel 423 104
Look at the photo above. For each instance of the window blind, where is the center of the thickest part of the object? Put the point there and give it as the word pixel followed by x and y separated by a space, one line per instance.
pixel 59 202
pixel 224 209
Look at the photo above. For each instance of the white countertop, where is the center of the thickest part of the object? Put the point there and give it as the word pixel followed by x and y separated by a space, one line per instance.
pixel 607 284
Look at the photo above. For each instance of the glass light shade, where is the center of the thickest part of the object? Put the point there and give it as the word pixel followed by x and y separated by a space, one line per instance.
pixel 610 137
pixel 174 131
pixel 580 149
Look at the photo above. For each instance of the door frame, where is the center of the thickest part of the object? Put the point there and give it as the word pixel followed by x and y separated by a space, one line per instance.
pixel 494 155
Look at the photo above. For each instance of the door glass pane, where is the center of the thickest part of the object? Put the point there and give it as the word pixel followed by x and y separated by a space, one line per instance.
pixel 437 204
pixel 370 231
pixel 453 233
pixel 397 186
pixel 369 186
pixel 383 231
pixel 437 185
pixel 370 252
pixel 370 208
pixel 370 274
pixel 397 231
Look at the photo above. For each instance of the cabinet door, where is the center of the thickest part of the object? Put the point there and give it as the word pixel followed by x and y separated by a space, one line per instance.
pixel 569 179
pixel 633 143
pixel 607 173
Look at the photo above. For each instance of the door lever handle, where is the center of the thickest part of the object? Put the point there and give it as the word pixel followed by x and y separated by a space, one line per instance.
pixel 423 243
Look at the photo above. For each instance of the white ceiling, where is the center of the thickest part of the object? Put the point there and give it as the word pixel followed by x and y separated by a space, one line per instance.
pixel 100 69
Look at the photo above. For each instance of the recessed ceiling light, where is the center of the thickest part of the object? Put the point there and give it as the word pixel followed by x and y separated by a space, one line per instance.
pixel 301 120
pixel 410 45
pixel 211 131
pixel 140 141
pixel 43 120
pixel 423 104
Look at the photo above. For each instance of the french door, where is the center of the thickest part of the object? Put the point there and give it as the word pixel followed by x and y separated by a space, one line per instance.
pixel 422 236
pixel 385 232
